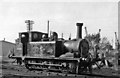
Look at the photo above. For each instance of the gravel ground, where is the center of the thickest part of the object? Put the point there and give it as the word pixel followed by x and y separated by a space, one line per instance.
pixel 14 71
pixel 9 70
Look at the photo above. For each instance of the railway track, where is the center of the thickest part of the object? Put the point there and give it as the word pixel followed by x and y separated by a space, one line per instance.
pixel 15 71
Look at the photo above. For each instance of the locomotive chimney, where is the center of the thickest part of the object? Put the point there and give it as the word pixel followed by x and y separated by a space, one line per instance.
pixel 79 30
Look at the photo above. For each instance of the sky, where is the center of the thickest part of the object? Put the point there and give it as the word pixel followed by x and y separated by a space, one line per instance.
pixel 63 17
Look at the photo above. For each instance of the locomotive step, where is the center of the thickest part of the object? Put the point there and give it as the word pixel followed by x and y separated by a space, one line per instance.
pixel 52 58
pixel 46 64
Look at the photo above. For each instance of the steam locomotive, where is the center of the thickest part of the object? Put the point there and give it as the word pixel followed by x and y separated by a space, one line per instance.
pixel 53 53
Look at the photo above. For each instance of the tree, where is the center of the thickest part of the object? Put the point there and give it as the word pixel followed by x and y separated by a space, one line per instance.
pixel 93 39
pixel 105 44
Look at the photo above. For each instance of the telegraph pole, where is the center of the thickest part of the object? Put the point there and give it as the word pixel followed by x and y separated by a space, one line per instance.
pixel 86 32
pixel 48 28
pixel 26 46
pixel 29 28
pixel 70 37
pixel 62 35
pixel 117 42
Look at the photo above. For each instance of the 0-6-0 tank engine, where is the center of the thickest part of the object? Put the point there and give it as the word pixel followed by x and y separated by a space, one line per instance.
pixel 52 53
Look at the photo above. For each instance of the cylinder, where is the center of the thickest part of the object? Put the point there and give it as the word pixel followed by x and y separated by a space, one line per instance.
pixel 79 30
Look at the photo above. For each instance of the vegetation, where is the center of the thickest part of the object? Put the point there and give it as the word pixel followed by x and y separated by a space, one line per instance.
pixel 95 39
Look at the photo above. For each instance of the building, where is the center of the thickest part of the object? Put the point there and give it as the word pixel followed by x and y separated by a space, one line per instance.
pixel 5 47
